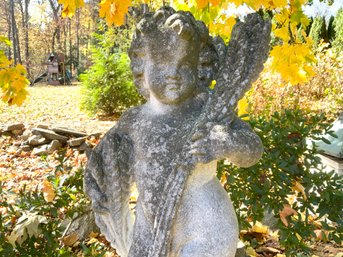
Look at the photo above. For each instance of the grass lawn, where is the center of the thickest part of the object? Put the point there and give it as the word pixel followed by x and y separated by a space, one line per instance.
pixel 53 105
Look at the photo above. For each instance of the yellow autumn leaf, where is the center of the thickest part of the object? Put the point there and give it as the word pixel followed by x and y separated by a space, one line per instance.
pixel 242 107
pixel 282 33
pixel 215 2
pixel 293 62
pixel 299 188
pixel 19 98
pixel 256 5
pixel 258 227
pixel 5 40
pixel 70 6
pixel 202 3
pixel 13 84
pixel 114 11
pixel 251 252
pixel 48 191
pixel 279 3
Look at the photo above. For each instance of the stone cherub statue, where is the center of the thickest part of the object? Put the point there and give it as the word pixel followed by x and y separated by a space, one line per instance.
pixel 168 147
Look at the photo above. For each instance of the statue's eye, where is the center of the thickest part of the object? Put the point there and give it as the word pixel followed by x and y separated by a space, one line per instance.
pixel 205 63
pixel 186 65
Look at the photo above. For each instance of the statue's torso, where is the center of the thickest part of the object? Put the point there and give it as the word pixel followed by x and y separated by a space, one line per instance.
pixel 205 209
pixel 158 142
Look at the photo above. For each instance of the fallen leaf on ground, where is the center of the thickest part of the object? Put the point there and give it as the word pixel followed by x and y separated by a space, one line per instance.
pixel 27 226
pixel 48 191
pixel 287 211
pixel 70 240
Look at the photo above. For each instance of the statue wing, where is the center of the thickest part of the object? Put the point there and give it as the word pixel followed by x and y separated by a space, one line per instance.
pixel 108 182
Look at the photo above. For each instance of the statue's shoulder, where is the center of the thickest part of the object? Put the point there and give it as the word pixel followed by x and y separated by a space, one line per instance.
pixel 126 124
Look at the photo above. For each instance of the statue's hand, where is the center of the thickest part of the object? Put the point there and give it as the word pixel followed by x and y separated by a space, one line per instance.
pixel 213 145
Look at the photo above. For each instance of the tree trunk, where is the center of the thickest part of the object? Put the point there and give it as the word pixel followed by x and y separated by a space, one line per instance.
pixel 25 23
pixel 27 52
pixel 15 38
pixel 70 49
pixel 77 37
pixel 9 33
pixel 56 36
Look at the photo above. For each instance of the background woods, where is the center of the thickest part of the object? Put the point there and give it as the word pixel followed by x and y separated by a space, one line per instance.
pixel 36 29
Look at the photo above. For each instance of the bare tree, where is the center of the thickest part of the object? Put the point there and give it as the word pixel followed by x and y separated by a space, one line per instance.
pixel 14 34
pixel 56 37
pixel 24 8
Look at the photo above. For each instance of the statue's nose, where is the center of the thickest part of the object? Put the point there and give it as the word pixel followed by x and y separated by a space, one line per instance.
pixel 173 74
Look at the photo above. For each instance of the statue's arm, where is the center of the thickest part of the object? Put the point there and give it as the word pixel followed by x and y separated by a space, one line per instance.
pixel 236 142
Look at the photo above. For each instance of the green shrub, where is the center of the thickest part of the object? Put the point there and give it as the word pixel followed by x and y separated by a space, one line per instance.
pixel 288 162
pixel 338 26
pixel 318 30
pixel 331 29
pixel 108 87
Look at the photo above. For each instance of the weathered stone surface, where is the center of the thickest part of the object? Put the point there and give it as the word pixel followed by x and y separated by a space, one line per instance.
pixel 14 126
pixel 25 136
pixel 25 148
pixel 47 149
pixel 41 150
pixel 54 146
pixel 36 140
pixel 77 141
pixel 84 146
pixel 43 126
pixel 69 132
pixel 168 147
pixel 49 134
pixel 17 132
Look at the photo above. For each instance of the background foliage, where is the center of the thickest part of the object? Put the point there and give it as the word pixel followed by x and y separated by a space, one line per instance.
pixel 108 84
pixel 288 182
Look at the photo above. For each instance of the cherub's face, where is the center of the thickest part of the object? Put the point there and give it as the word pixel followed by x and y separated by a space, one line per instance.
pixel 171 76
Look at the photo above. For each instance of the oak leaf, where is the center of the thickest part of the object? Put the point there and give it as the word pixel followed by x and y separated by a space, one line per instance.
pixel 27 226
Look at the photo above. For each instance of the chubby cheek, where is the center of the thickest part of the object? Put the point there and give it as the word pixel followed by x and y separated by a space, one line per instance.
pixel 188 78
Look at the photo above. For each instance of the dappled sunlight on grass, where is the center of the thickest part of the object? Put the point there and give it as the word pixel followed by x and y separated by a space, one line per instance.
pixel 53 105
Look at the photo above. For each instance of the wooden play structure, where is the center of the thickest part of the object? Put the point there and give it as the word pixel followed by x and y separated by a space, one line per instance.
pixel 56 72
